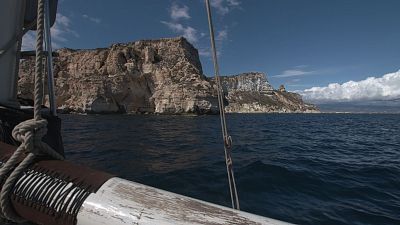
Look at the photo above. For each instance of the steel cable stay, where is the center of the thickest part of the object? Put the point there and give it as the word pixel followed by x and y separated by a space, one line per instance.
pixel 226 137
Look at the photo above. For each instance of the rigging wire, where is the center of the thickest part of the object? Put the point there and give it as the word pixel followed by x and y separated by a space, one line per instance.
pixel 226 137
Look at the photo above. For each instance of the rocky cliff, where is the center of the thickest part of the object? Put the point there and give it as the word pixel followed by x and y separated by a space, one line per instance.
pixel 152 76
pixel 252 93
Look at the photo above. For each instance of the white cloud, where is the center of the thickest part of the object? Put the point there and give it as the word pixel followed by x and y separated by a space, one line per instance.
pixel 294 73
pixel 222 35
pixel 220 6
pixel 233 2
pixel 224 6
pixel 28 41
pixel 178 23
pixel 204 52
pixel 59 33
pixel 386 87
pixel 61 27
pixel 207 52
pixel 92 19
pixel 186 31
pixel 178 12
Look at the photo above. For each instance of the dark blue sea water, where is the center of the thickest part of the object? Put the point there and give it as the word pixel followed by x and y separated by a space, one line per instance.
pixel 305 169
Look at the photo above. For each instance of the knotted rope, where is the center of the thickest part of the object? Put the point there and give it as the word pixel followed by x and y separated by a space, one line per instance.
pixel 29 133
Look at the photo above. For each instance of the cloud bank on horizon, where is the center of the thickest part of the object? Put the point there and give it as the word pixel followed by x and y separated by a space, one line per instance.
pixel 386 87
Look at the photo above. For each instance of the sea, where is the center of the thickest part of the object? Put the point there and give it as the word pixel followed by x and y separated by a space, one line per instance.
pixel 337 169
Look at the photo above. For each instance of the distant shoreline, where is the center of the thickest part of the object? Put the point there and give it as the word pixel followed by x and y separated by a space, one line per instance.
pixel 233 113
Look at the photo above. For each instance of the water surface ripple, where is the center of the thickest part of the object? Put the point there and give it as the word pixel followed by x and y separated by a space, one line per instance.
pixel 305 169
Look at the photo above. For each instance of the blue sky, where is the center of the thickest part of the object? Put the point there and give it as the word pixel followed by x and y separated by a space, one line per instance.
pixel 299 43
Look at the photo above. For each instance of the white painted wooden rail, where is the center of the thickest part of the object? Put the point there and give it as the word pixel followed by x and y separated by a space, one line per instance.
pixel 120 202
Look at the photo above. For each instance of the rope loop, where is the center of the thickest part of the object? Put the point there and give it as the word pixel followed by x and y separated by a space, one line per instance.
pixel 30 134
pixel 30 129
pixel 228 142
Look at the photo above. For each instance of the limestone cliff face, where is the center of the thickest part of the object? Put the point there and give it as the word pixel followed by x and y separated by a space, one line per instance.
pixel 251 93
pixel 152 76
pixel 253 82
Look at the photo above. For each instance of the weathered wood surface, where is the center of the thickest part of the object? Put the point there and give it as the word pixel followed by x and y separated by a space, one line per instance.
pixel 121 202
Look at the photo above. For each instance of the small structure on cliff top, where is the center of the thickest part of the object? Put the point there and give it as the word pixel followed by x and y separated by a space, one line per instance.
pixel 282 88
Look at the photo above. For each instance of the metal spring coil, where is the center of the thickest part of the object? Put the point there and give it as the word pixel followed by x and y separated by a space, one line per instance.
pixel 51 193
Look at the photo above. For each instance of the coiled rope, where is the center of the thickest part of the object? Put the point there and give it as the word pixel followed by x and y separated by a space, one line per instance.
pixel 226 137
pixel 29 133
